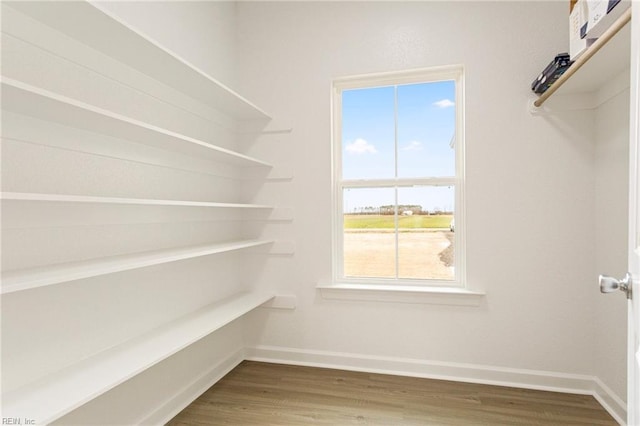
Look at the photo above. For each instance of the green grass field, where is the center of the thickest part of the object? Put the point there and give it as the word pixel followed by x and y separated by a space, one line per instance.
pixel 356 221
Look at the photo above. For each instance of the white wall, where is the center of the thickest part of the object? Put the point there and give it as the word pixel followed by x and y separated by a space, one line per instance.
pixel 530 183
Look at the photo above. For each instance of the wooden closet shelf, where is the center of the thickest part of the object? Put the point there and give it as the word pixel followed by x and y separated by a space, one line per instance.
pixel 25 279
pixel 57 394
pixel 608 56
pixel 107 33
pixel 26 99
pixel 29 196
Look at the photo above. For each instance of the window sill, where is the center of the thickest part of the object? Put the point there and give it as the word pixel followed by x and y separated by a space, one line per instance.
pixel 401 294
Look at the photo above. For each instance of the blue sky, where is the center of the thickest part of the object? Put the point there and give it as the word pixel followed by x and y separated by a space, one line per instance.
pixel 426 123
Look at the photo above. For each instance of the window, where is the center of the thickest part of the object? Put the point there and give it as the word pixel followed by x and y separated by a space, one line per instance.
pixel 398 177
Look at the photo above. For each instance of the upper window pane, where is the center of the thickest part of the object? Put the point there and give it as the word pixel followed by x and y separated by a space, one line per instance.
pixel 399 131
pixel 426 127
pixel 368 133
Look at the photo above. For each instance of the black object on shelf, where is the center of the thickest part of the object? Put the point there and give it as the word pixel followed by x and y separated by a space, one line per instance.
pixel 551 73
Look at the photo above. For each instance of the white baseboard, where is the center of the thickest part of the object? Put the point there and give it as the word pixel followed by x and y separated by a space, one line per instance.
pixel 610 401
pixel 185 396
pixel 470 373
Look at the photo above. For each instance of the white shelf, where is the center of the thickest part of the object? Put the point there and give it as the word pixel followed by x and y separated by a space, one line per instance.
pixel 25 99
pixel 106 33
pixel 56 395
pixel 29 196
pixel 611 60
pixel 24 279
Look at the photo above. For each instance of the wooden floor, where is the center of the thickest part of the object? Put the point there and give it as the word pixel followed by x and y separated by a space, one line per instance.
pixel 270 394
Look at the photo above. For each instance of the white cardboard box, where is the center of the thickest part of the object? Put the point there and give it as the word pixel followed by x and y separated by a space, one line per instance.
pixel 577 24
pixel 603 13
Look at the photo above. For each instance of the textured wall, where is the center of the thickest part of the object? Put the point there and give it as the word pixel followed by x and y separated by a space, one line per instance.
pixel 530 180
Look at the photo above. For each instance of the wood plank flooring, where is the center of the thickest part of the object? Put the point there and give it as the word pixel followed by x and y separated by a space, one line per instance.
pixel 257 393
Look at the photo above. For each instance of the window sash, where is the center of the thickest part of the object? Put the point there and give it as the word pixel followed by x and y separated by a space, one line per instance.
pixel 398 182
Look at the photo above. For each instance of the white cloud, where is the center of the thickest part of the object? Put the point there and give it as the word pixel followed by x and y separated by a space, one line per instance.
pixel 360 146
pixel 444 103
pixel 413 146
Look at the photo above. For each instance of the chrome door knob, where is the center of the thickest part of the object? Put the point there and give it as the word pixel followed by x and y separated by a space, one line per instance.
pixel 609 284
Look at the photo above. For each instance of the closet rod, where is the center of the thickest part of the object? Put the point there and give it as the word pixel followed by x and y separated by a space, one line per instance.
pixel 597 45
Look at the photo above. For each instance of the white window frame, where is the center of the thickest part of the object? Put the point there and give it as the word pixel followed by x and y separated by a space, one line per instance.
pixel 454 73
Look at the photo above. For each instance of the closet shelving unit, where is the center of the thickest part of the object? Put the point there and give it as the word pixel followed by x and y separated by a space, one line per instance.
pixel 54 395
pixel 606 58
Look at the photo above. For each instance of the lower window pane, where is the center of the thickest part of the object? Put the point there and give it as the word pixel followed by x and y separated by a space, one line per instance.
pixel 425 233
pixel 369 233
